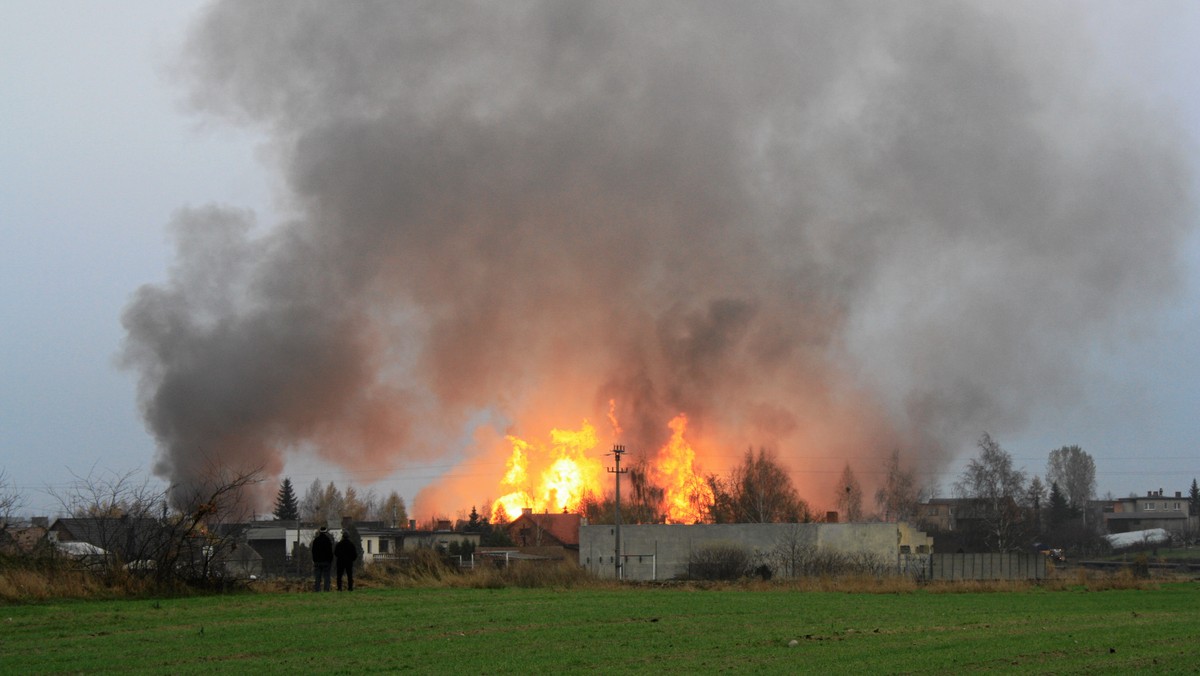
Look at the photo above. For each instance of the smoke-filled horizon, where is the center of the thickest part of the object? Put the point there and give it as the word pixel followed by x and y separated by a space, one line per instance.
pixel 831 229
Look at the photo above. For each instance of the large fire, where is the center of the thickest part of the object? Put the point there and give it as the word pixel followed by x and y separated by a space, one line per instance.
pixel 687 494
pixel 556 477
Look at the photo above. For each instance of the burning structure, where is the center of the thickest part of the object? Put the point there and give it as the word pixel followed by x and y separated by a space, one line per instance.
pixel 834 230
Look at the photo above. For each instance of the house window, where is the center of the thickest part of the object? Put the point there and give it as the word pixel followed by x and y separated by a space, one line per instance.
pixel 1178 507
pixel 368 543
pixel 383 546
pixel 1149 506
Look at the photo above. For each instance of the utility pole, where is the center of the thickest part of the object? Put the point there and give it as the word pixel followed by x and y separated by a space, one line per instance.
pixel 616 453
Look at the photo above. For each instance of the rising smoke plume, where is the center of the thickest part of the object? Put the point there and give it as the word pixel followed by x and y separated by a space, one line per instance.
pixel 833 229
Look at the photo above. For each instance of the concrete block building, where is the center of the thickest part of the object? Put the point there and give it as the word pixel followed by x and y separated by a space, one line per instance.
pixel 663 552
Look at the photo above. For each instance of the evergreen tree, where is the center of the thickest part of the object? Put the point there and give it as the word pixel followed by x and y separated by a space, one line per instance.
pixel 1059 509
pixel 286 506
pixel 1035 495
pixel 1194 498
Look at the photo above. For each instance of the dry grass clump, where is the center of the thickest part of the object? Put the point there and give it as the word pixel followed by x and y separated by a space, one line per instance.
pixel 427 569
pixel 38 579
pixel 1082 579
pixel 859 583
pixel 556 574
pixel 978 586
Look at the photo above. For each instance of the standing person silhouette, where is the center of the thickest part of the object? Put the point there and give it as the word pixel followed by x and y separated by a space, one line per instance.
pixel 322 556
pixel 346 553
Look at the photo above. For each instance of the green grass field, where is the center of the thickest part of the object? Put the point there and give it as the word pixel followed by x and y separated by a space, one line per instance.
pixel 673 630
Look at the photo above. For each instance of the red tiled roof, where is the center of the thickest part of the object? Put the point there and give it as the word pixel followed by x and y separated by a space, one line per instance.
pixel 562 527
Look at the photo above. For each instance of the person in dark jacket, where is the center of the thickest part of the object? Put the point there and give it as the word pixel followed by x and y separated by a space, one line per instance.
pixel 345 552
pixel 322 556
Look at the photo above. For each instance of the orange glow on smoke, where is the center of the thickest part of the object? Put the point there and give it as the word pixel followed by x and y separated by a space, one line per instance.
pixel 553 478
pixel 612 418
pixel 686 494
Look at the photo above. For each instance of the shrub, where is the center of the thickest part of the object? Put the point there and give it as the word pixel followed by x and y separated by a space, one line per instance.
pixel 719 562
pixel 805 560
pixel 1141 565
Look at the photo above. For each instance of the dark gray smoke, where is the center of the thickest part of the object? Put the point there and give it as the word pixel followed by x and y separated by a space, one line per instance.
pixel 836 229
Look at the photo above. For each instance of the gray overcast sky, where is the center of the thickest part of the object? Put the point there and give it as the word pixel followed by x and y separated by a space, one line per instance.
pixel 96 156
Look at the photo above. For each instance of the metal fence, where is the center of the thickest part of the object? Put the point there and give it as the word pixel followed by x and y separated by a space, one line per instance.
pixel 989 566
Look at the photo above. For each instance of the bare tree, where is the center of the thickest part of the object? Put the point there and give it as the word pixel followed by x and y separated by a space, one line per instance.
pixel 849 496
pixel 899 495
pixel 762 492
pixel 322 503
pixel 791 549
pixel 10 500
pixel 722 508
pixel 644 501
pixel 394 511
pixel 310 504
pixel 104 494
pixel 352 505
pixel 995 487
pixel 118 513
pixel 1075 473
pixel 371 506
pixel 170 535
pixel 203 532
pixel 332 504
pixel 597 508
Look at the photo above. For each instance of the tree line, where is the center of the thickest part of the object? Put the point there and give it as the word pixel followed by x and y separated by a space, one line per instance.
pixel 324 503
pixel 1001 507
pixel 1006 510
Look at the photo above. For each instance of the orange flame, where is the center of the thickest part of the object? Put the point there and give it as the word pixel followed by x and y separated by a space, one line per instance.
pixel 558 476
pixel 551 478
pixel 686 494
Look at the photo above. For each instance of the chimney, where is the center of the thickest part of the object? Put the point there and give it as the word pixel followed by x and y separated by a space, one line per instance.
pixel 1178 494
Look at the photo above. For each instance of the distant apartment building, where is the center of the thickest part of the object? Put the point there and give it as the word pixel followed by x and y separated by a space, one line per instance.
pixel 1155 509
